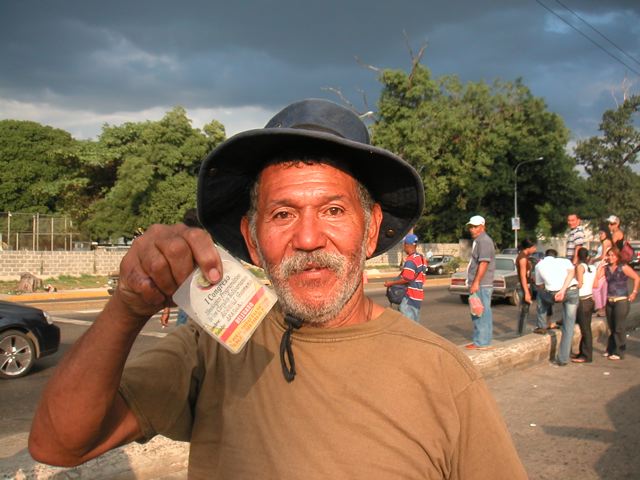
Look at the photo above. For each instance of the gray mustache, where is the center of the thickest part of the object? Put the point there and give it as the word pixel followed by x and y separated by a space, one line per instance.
pixel 299 261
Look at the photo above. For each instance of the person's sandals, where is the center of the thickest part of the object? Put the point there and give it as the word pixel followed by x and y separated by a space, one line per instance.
pixel 579 360
pixel 605 354
pixel 540 331
pixel 614 357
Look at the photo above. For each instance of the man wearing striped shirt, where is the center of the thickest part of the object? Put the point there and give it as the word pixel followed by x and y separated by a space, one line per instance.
pixel 575 240
pixel 413 276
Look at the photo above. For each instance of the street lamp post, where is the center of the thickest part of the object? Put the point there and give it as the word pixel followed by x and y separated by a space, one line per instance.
pixel 515 196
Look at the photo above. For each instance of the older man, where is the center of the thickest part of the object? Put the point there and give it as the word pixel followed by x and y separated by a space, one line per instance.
pixel 330 385
pixel 482 266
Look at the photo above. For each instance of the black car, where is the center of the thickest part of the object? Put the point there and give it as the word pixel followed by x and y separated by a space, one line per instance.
pixel 26 334
pixel 635 259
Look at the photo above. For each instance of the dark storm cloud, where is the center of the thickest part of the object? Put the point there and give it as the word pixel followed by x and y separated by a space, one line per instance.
pixel 127 56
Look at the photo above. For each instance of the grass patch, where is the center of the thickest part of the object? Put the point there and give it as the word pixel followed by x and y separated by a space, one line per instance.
pixel 63 282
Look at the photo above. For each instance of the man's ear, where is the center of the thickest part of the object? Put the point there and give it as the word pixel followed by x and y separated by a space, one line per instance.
pixel 250 243
pixel 374 229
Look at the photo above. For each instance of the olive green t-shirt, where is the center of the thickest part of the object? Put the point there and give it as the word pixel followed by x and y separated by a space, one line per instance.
pixel 385 399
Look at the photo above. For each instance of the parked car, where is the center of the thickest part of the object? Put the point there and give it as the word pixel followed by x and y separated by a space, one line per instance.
pixel 635 259
pixel 509 251
pixel 438 263
pixel 26 334
pixel 112 282
pixel 505 281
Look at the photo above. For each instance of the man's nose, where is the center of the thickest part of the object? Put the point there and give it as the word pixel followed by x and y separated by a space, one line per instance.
pixel 309 234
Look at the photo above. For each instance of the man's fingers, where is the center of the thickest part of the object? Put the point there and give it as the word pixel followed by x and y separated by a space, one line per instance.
pixel 205 254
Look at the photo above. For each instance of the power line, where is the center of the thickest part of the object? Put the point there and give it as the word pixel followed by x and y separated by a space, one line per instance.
pixel 589 38
pixel 598 32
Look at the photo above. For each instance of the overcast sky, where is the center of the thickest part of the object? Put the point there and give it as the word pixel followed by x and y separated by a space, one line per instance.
pixel 79 64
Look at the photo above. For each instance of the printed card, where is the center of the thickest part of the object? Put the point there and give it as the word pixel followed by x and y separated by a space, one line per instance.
pixel 231 310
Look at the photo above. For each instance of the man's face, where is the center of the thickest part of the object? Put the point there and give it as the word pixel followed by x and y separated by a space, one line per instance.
pixel 573 221
pixel 476 230
pixel 311 237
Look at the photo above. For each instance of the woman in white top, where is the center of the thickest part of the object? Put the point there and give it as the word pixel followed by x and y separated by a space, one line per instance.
pixel 585 274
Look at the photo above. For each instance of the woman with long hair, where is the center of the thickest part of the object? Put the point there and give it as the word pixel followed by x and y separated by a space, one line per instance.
pixel 585 274
pixel 617 274
pixel 600 290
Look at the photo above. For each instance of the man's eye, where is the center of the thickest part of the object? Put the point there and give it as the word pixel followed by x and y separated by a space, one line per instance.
pixel 281 215
pixel 333 211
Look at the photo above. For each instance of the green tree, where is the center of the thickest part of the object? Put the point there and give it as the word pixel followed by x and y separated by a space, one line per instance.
pixel 150 171
pixel 40 168
pixel 612 185
pixel 465 141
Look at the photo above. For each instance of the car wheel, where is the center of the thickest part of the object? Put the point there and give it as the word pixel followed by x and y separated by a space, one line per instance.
pixel 440 271
pixel 464 299
pixel 514 299
pixel 17 354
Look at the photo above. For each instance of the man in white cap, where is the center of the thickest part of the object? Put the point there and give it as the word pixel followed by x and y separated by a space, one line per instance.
pixel 330 385
pixel 412 275
pixel 480 272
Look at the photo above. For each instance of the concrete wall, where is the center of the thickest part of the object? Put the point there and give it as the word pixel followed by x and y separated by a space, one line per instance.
pixel 395 256
pixel 101 261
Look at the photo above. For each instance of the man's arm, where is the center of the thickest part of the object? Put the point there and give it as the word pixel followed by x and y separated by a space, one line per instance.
pixel 406 275
pixel 571 273
pixel 81 414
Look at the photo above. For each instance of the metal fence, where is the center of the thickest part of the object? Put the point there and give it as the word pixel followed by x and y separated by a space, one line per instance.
pixel 38 232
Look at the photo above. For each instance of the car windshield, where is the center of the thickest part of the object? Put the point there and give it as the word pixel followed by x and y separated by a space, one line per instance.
pixel 435 259
pixel 505 264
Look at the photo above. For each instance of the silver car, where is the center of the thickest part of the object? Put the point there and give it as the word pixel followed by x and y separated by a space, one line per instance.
pixel 438 263
pixel 505 281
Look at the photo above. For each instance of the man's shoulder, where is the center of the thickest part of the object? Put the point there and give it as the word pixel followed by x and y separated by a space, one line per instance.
pixel 431 346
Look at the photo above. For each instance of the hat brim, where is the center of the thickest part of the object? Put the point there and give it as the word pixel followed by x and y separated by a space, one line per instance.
pixel 228 173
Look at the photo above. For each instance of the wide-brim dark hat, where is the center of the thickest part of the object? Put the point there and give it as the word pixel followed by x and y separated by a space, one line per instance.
pixel 308 128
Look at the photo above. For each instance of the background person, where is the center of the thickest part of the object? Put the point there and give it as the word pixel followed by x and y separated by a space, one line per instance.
pixel 413 276
pixel 575 239
pixel 600 288
pixel 617 235
pixel 480 280
pixel 523 267
pixel 555 279
pixel 585 275
pixel 618 300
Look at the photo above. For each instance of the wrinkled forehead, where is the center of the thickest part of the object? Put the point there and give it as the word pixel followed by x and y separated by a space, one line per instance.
pixel 335 171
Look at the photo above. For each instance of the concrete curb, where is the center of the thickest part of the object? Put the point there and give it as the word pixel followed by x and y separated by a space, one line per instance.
pixel 522 352
pixel 61 295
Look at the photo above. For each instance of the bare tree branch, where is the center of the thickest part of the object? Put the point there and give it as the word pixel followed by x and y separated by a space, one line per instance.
pixel 366 65
pixel 340 95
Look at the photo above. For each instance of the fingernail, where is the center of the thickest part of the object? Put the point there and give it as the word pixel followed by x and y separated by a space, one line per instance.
pixel 214 275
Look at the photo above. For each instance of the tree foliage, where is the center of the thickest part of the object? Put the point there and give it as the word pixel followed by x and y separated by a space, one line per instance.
pixel 136 174
pixel 151 170
pixel 465 140
pixel 40 168
pixel 612 184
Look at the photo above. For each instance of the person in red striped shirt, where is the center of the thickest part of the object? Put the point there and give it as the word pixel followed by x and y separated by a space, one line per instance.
pixel 413 275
